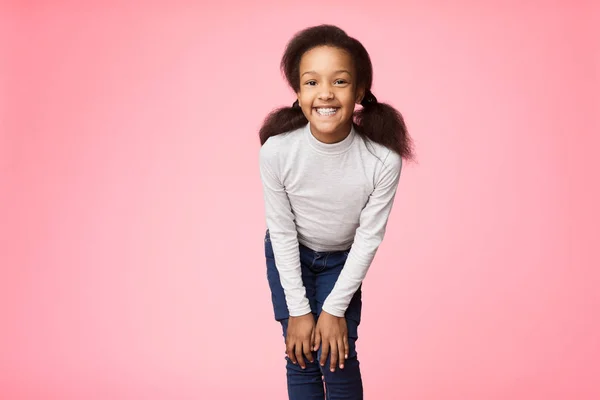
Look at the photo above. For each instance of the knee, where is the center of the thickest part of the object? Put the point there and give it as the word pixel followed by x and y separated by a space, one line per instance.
pixel 296 369
pixel 348 377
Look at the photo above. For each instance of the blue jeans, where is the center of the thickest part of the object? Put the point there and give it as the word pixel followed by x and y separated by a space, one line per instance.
pixel 320 271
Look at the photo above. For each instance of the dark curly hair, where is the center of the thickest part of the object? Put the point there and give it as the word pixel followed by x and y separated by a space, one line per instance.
pixel 376 121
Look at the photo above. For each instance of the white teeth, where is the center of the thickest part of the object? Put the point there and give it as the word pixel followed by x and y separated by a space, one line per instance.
pixel 326 111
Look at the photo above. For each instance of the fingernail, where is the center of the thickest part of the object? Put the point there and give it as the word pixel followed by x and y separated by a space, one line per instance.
pixel 342 366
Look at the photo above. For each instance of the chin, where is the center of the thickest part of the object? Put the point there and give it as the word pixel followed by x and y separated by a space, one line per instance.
pixel 327 128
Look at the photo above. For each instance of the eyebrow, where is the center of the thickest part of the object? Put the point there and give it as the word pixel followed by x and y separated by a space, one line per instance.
pixel 335 72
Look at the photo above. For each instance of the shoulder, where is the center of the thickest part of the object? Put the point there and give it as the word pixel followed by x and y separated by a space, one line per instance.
pixel 280 145
pixel 390 159
pixel 393 161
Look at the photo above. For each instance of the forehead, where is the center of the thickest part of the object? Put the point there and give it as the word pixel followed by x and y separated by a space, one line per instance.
pixel 325 60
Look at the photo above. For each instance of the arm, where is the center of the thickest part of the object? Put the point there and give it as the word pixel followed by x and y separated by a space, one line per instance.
pixel 368 237
pixel 282 229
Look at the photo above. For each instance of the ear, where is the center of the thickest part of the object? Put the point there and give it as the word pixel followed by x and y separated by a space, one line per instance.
pixel 360 95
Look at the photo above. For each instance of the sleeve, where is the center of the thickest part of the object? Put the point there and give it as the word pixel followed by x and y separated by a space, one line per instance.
pixel 368 237
pixel 282 230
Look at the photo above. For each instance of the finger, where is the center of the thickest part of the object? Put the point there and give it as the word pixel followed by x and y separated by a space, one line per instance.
pixel 290 352
pixel 346 347
pixel 308 350
pixel 299 355
pixel 324 352
pixel 317 340
pixel 334 355
pixel 342 352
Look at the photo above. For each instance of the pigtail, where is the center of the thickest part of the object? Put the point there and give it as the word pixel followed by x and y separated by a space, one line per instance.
pixel 281 120
pixel 385 125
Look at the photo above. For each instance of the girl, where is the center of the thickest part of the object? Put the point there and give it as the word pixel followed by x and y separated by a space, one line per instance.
pixel 329 178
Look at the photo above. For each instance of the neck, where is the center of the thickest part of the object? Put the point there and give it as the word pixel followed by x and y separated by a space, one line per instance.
pixel 332 138
pixel 330 147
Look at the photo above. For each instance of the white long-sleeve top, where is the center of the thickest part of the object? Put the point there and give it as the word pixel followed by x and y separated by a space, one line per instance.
pixel 328 197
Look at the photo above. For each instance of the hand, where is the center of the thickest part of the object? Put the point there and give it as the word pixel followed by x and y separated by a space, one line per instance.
pixel 300 338
pixel 332 333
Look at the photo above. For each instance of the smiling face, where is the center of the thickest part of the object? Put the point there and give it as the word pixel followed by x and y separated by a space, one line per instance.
pixel 328 92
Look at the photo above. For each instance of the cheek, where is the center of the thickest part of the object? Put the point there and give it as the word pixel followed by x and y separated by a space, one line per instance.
pixel 350 100
pixel 349 96
pixel 304 99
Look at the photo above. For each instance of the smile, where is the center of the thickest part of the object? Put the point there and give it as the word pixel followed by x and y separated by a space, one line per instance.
pixel 329 111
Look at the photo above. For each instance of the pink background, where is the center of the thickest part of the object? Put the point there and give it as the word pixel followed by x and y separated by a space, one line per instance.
pixel 132 221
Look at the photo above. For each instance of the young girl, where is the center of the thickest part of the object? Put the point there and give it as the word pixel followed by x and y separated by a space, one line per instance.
pixel 329 178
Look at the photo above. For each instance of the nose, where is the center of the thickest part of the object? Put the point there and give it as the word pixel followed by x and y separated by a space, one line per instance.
pixel 326 93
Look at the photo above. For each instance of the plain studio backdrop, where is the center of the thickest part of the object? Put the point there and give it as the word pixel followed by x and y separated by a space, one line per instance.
pixel 132 223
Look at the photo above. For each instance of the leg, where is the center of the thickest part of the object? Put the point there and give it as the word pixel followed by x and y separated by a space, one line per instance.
pixel 343 384
pixel 307 383
pixel 303 384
